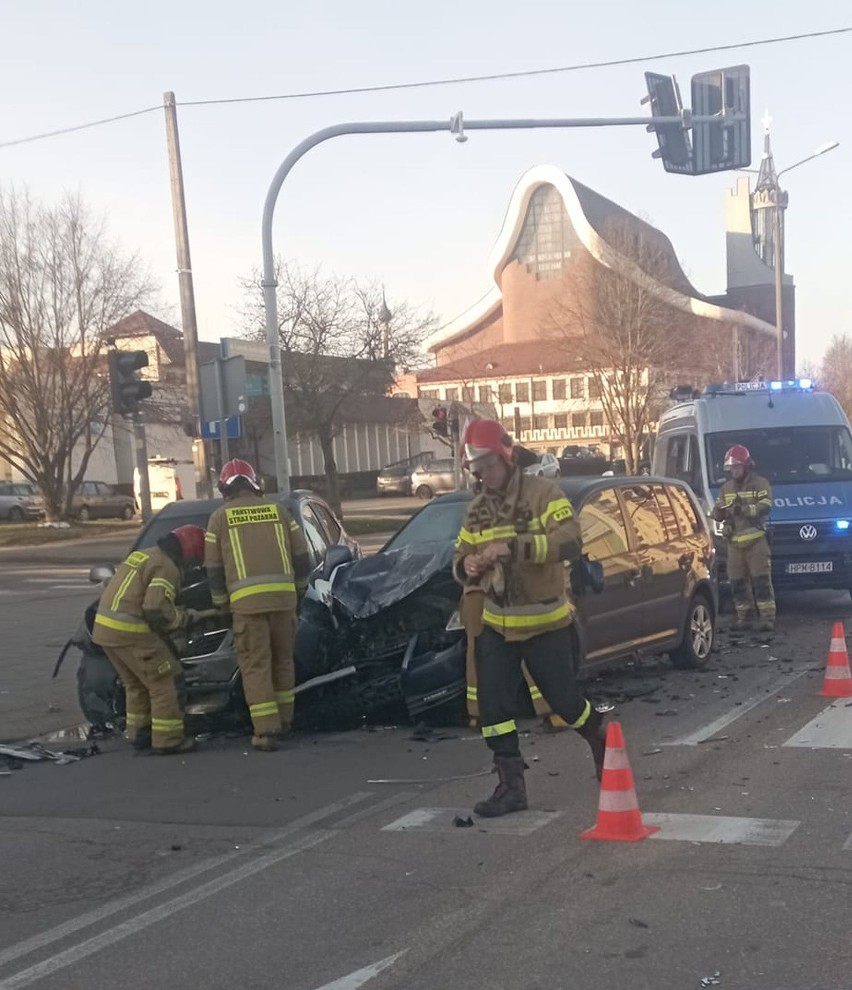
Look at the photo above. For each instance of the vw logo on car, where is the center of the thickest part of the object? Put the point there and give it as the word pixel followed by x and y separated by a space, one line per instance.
pixel 808 532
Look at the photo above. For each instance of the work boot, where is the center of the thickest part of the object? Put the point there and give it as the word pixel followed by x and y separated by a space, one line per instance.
pixel 510 793
pixel 766 626
pixel 594 732
pixel 142 740
pixel 741 624
pixel 265 742
pixel 187 745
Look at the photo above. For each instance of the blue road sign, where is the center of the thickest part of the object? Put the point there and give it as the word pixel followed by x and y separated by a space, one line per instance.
pixel 210 429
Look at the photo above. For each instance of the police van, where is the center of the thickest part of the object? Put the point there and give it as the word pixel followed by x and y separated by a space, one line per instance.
pixel 800 441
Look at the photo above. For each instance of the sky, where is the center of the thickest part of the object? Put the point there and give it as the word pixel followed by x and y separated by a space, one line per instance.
pixel 420 212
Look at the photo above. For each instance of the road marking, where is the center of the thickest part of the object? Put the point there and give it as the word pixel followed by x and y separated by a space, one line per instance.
pixel 720 829
pixel 714 727
pixel 114 907
pixel 831 729
pixel 362 976
pixel 441 820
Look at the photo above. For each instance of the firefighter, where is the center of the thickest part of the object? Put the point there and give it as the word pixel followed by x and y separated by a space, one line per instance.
pixel 516 536
pixel 136 617
pixel 257 564
pixel 743 506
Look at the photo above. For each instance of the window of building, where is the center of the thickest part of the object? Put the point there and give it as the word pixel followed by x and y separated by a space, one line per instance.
pixel 594 389
pixel 578 388
pixel 547 237
pixel 539 391
pixel 597 418
pixel 428 393
pixel 504 392
pixel 467 394
pixel 578 421
pixel 451 394
pixel 559 388
pixel 522 392
pixel 526 425
pixel 541 422
pixel 560 421
pixel 484 393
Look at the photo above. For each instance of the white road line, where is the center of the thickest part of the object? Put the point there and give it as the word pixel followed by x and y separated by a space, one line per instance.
pixel 362 976
pixel 714 727
pixel 831 729
pixel 720 829
pixel 441 820
pixel 120 904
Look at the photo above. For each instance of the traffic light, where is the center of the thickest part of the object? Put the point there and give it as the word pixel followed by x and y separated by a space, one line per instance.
pixel 725 144
pixel 439 421
pixel 126 389
pixel 674 149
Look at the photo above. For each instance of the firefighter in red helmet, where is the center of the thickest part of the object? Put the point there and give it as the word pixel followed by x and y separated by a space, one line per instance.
pixel 743 507
pixel 257 565
pixel 136 617
pixel 516 537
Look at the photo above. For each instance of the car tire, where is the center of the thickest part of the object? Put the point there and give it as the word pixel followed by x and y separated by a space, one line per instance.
pixel 16 514
pixel 127 512
pixel 699 635
pixel 424 492
pixel 84 515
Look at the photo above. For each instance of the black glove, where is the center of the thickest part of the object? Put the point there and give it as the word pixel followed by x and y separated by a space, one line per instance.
pixel 737 508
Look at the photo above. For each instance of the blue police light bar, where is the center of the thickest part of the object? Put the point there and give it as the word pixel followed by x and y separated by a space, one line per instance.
pixel 740 388
pixel 841 524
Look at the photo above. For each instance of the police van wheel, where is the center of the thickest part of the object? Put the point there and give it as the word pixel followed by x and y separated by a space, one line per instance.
pixel 699 635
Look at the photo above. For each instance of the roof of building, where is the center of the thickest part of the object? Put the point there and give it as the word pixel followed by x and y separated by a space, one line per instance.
pixel 503 361
pixel 142 324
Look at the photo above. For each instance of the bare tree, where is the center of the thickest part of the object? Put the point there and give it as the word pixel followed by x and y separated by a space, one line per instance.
pixel 63 284
pixel 339 339
pixel 835 373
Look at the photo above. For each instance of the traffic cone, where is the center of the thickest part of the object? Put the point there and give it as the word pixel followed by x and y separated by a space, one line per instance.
pixel 838 679
pixel 619 818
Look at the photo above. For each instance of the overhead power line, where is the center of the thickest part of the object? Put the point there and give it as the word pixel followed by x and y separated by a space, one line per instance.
pixel 456 81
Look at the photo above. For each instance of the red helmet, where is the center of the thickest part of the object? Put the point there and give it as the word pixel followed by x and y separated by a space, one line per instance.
pixel 483 437
pixel 191 539
pixel 235 469
pixel 737 455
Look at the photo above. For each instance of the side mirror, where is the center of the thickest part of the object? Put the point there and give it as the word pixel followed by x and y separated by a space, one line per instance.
pixel 335 557
pixel 101 574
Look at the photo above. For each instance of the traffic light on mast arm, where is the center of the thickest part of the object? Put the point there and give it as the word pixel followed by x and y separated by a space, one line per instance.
pixel 439 421
pixel 126 389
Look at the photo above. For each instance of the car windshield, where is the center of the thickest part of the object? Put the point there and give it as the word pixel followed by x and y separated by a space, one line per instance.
pixel 160 525
pixel 787 455
pixel 438 522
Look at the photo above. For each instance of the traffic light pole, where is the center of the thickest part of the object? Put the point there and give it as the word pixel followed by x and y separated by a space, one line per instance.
pixel 142 466
pixel 456 126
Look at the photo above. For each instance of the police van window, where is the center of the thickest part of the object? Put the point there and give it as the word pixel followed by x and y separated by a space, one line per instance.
pixel 676 456
pixel 602 524
pixel 787 455
pixel 684 511
pixel 644 514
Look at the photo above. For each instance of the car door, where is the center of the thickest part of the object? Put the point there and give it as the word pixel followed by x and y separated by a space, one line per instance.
pixel 612 620
pixel 107 502
pixel 658 544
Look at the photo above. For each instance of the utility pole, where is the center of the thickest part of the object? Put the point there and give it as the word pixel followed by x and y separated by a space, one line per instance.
pixel 142 466
pixel 187 295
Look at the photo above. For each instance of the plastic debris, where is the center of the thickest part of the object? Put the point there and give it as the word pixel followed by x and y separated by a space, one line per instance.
pixel 460 822
pixel 711 981
pixel 35 752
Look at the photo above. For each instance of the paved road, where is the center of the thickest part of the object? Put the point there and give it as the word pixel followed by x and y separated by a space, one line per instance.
pixel 335 863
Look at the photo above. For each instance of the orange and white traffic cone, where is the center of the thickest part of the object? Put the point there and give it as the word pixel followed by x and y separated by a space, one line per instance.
pixel 619 818
pixel 838 679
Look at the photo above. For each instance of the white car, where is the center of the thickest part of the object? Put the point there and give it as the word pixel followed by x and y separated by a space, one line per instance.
pixel 547 466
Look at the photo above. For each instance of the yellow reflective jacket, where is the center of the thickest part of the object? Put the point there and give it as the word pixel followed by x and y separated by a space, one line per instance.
pixel 256 556
pixel 753 495
pixel 524 596
pixel 140 600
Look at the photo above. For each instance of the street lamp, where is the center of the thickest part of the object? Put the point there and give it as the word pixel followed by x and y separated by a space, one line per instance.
pixel 779 204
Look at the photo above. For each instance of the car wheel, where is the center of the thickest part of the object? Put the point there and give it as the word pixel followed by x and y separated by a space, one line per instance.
pixel 127 512
pixel 16 514
pixel 84 515
pixel 698 637
pixel 423 491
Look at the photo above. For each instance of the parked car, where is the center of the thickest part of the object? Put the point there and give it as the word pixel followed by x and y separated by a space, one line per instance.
pixel 547 466
pixel 577 461
pixel 395 479
pixel 434 478
pixel 20 500
pixel 97 500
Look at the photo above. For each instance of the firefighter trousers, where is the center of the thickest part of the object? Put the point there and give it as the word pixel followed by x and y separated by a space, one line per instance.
pixel 550 658
pixel 153 688
pixel 264 643
pixel 750 574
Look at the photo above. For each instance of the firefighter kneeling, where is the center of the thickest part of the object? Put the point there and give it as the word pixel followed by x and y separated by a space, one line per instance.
pixel 517 535
pixel 136 616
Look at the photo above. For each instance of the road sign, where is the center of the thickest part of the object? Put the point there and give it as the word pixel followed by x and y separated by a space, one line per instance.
pixel 223 388
pixel 210 429
pixel 726 144
pixel 256 351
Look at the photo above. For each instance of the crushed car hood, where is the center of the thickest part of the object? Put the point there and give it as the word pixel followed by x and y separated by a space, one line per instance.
pixel 370 585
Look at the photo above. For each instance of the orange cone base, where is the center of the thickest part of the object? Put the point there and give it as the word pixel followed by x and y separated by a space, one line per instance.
pixel 612 827
pixel 836 688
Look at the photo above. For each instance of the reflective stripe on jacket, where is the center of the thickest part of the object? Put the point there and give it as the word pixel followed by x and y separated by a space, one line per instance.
pixel 140 600
pixel 525 595
pixel 754 494
pixel 256 556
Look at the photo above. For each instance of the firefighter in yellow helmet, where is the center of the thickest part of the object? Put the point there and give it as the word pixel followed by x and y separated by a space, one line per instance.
pixel 516 536
pixel 135 617
pixel 258 565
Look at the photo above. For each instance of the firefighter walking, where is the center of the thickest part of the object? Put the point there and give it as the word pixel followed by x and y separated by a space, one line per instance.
pixel 136 617
pixel 743 506
pixel 517 535
pixel 257 565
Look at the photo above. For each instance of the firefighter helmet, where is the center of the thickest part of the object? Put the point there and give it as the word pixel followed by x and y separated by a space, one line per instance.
pixel 483 437
pixel 191 539
pixel 234 470
pixel 737 455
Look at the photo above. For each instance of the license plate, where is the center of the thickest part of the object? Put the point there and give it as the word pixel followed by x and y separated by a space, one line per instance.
pixel 811 567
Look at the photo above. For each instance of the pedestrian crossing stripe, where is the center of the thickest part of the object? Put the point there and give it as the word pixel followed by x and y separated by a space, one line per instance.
pixel 831 729
pixel 721 829
pixel 442 820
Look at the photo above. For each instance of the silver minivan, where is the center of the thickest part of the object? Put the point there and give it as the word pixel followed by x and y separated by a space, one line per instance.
pixel 434 478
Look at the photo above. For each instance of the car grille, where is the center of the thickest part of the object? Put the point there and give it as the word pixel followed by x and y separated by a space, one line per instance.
pixel 788 536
